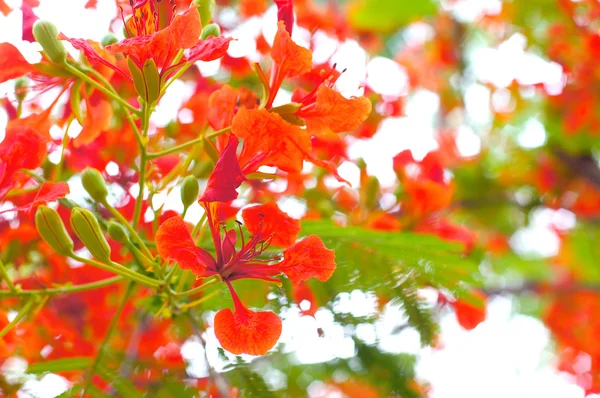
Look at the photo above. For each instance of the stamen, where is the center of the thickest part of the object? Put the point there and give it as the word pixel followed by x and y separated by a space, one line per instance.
pixel 125 23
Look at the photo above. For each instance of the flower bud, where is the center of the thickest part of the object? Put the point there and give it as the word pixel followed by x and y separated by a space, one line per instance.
pixel 86 227
pixel 53 231
pixel 205 10
pixel 108 39
pixel 372 192
pixel 117 232
pixel 189 191
pixel 46 34
pixel 146 80
pixel 211 29
pixel 94 184
pixel 21 89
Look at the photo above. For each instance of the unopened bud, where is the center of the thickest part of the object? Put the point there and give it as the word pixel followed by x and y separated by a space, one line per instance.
pixel 189 191
pixel 117 232
pixel 21 89
pixel 211 29
pixel 372 193
pixel 108 39
pixel 53 231
pixel 94 184
pixel 46 34
pixel 86 227
pixel 205 10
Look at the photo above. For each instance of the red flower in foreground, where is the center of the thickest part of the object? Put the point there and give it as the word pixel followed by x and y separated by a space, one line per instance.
pixel 243 330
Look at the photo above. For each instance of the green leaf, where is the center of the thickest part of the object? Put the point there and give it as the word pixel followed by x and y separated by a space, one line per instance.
pixel 60 365
pixel 388 15
pixel 123 386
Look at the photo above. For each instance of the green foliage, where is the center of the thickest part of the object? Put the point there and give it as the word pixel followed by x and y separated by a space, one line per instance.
pixel 388 15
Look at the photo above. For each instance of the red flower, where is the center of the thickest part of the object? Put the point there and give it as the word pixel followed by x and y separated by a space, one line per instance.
pixel 243 331
pixel 273 221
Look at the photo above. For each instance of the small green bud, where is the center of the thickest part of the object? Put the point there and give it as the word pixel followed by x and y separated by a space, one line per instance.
pixel 86 227
pixel 118 232
pixel 75 101
pixel 108 39
pixel 205 10
pixel 152 79
pixel 372 193
pixel 189 191
pixel 94 184
pixel 46 34
pixel 212 29
pixel 53 231
pixel 21 89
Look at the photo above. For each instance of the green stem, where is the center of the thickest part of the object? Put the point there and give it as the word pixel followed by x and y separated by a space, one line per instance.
pixel 5 276
pixel 109 333
pixel 121 270
pixel 143 160
pixel 188 144
pixel 200 300
pixel 64 289
pixel 24 311
pixel 130 228
pixel 198 289
pixel 100 87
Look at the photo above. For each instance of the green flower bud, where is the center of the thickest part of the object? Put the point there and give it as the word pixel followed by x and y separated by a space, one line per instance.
pixel 211 29
pixel 117 232
pixel 86 227
pixel 53 231
pixel 146 80
pixel 205 10
pixel 94 184
pixel 372 192
pixel 108 39
pixel 189 191
pixel 21 89
pixel 46 34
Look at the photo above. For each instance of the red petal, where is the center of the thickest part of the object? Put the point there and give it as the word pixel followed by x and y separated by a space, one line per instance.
pixel 29 19
pixel 91 4
pixel 210 49
pixel 470 315
pixel 285 13
pixel 306 259
pixel 49 192
pixel 12 63
pixel 245 331
pixel 226 177
pixel 174 243
pixel 284 228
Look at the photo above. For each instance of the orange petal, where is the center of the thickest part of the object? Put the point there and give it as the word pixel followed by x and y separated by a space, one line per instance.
pixel 221 107
pixel 266 137
pixel 210 49
pixel 284 228
pixel 335 112
pixel 174 243
pixel 291 59
pixel 306 259
pixel 97 120
pixel 12 63
pixel 247 332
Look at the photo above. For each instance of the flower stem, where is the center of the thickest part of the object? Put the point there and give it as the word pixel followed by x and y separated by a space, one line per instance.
pixel 130 228
pixel 146 111
pixel 64 289
pixel 121 270
pixel 207 283
pixel 188 144
pixel 24 311
pixel 109 333
pixel 6 278
pixel 200 300
pixel 100 87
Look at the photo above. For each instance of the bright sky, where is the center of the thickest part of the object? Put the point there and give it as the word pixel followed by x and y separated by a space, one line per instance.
pixel 508 355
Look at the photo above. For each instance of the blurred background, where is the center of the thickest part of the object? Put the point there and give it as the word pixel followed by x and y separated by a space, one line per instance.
pixel 472 266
